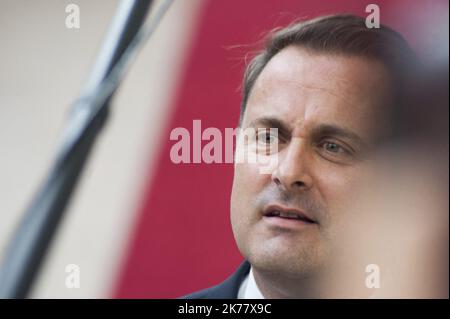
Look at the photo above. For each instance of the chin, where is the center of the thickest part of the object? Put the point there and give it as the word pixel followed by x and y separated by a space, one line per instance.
pixel 301 261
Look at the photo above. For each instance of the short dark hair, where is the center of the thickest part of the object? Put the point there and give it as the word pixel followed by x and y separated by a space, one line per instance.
pixel 341 34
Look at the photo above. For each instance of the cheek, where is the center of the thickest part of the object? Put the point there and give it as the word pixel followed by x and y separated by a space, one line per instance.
pixel 339 187
pixel 248 182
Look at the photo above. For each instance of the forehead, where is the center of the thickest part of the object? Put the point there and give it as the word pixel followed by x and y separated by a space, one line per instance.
pixel 305 88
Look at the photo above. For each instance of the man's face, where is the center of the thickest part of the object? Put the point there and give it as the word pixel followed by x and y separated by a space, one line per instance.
pixel 327 109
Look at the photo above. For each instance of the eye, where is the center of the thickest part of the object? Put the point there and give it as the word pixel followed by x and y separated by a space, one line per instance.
pixel 335 150
pixel 333 147
pixel 266 137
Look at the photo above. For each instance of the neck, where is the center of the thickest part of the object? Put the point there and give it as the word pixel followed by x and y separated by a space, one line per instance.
pixel 318 286
pixel 274 286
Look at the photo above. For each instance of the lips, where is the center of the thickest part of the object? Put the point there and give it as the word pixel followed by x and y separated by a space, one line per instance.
pixel 288 213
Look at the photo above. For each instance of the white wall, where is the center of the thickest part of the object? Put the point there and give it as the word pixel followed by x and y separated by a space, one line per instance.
pixel 43 66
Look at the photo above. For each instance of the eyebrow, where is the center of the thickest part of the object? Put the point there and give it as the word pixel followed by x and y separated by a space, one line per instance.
pixel 321 130
pixel 270 122
pixel 337 131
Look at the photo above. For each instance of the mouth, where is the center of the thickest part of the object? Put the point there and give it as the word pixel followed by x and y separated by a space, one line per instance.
pixel 286 217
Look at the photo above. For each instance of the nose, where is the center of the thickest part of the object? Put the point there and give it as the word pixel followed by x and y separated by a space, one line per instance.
pixel 293 170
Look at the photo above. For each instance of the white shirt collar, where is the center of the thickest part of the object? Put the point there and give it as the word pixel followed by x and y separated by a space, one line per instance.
pixel 249 289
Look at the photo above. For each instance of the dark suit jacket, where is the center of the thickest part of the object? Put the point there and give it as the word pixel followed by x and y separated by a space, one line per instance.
pixel 228 289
